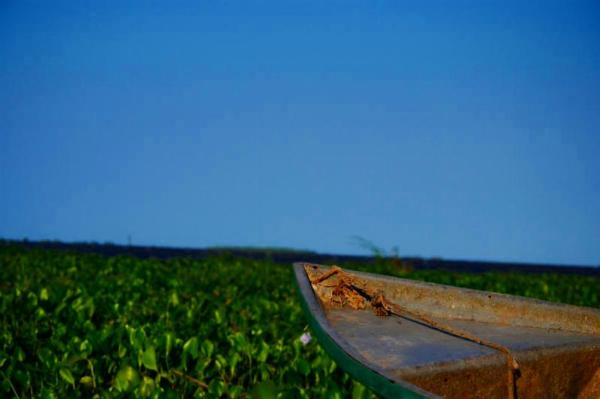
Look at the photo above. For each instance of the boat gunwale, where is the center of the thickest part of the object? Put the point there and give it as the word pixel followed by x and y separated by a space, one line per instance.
pixel 589 322
pixel 376 377
pixel 343 353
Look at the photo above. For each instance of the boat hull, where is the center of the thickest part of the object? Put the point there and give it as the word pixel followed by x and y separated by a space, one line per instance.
pixel 557 346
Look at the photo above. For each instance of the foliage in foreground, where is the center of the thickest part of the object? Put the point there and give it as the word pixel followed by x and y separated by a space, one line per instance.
pixel 83 325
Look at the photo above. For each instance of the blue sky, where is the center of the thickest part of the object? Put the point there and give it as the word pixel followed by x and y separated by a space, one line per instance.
pixel 466 130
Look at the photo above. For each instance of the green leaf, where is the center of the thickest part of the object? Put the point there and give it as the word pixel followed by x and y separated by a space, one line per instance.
pixel 191 347
pixel 220 362
pixel 235 391
pixel 87 381
pixel 137 338
pixel 147 387
pixel 216 388
pixel 263 352
pixel 127 378
pixel 33 299
pixel 47 358
pixel 358 390
pixel 303 367
pixel 85 348
pixel 122 351
pixel 238 341
pixel 218 317
pixel 40 313
pixel 19 354
pixel 207 348
pixel 174 299
pixel 67 376
pixel 149 358
pixel 23 377
pixel 264 390
pixel 169 339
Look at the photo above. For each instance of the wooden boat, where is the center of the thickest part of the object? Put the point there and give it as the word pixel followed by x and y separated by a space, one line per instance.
pixel 407 339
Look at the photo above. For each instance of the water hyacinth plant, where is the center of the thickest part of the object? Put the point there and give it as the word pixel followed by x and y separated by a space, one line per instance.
pixel 78 325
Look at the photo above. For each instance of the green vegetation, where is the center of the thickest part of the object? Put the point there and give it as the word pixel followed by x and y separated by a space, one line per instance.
pixel 84 325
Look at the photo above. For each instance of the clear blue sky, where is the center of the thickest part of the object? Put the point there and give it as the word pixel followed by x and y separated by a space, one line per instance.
pixel 461 130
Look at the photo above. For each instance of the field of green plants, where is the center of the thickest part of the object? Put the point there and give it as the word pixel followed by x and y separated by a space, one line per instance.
pixel 90 326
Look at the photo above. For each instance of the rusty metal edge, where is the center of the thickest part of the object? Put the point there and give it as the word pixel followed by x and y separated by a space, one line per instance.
pixel 343 354
pixel 591 324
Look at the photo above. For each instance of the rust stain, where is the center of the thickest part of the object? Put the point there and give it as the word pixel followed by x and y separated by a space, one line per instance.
pixel 348 290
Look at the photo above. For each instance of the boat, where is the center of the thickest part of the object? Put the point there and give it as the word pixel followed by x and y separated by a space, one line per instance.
pixel 411 339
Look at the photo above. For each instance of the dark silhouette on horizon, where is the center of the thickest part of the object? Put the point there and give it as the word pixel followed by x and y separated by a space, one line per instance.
pixel 288 256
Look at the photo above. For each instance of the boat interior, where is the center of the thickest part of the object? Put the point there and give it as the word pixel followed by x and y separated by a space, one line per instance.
pixel 557 347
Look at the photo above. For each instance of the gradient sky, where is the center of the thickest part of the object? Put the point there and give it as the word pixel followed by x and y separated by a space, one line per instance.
pixel 460 130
